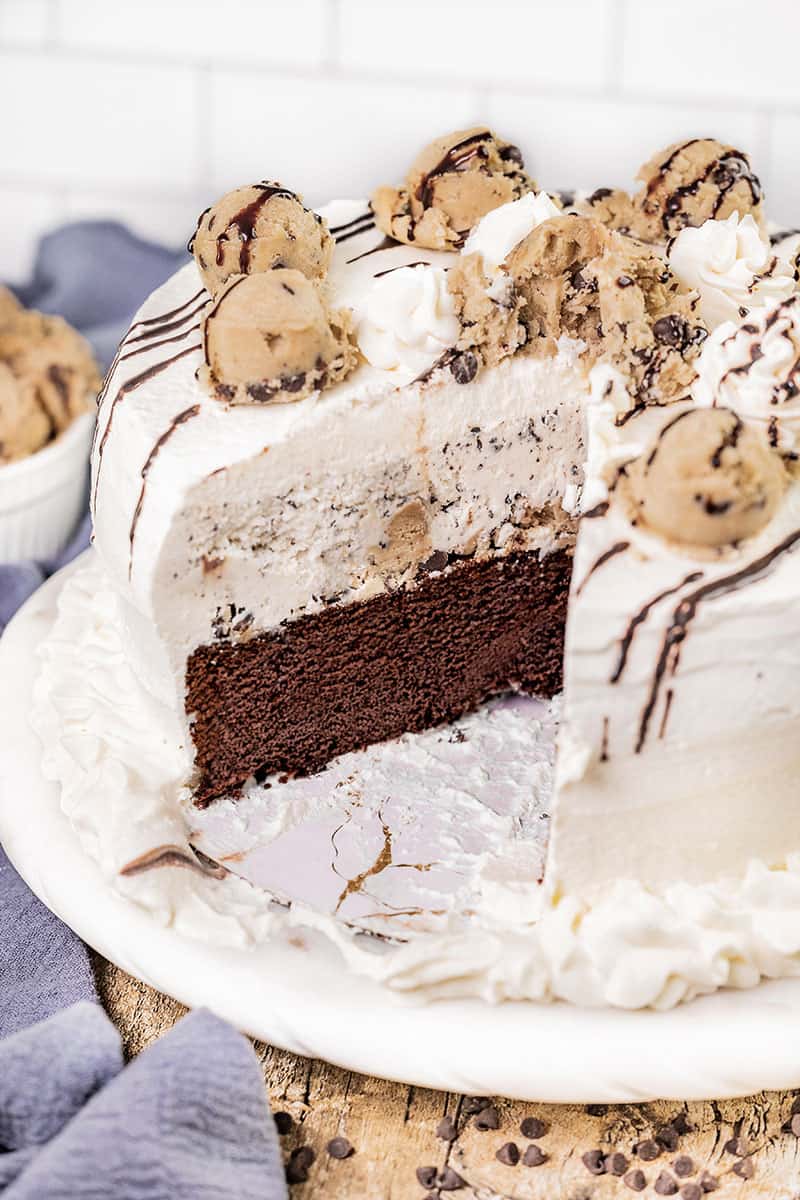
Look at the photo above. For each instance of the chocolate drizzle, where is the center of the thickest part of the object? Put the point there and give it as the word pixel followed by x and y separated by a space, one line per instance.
pixel 167 327
pixel 685 613
pixel 724 172
pixel 181 419
pixel 173 856
pixel 125 389
pixel 626 640
pixel 367 216
pixel 366 223
pixel 242 226
pixel 456 159
pixel 611 552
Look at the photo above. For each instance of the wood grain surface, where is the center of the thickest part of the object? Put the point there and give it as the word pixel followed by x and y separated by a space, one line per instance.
pixel 732 1148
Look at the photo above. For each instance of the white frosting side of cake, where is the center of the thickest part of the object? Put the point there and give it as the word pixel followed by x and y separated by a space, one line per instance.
pixel 284 507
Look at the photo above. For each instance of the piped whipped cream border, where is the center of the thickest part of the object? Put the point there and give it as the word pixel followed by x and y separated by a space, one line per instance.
pixel 117 754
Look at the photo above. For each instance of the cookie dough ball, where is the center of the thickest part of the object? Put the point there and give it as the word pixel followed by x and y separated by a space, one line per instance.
pixel 614 208
pixel 9 305
pixel 49 356
pixel 24 424
pixel 271 337
pixel 257 228
pixel 691 182
pixel 488 313
pixel 454 182
pixel 710 480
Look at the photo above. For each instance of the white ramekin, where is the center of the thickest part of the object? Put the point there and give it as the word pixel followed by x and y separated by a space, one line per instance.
pixel 41 497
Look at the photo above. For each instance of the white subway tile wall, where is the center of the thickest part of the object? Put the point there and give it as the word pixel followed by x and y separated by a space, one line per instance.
pixel 146 110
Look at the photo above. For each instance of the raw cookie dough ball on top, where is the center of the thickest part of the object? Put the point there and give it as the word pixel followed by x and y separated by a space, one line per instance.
pixel 256 228
pixel 452 183
pixel 691 182
pixel 710 480
pixel 272 337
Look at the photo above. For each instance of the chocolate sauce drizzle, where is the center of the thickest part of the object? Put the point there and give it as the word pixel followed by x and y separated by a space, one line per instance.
pixel 685 613
pixel 187 415
pixel 617 548
pixel 242 225
pixel 176 337
pixel 379 274
pixel 386 243
pixel 456 159
pixel 367 216
pixel 173 856
pixel 725 172
pixel 125 389
pixel 167 327
pixel 368 223
pixel 626 641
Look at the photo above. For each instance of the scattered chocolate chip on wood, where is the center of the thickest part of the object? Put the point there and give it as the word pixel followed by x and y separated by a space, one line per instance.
pixel 534 1156
pixel 487 1118
pixel 508 1154
pixel 665 1185
pixel 616 1163
pixel 446 1130
pixel 299 1162
pixel 339 1147
pixel 595 1162
pixel 533 1127
pixel 635 1180
pixel 283 1123
pixel 647 1150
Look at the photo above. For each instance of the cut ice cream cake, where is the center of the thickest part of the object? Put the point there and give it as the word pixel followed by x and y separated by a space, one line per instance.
pixel 359 471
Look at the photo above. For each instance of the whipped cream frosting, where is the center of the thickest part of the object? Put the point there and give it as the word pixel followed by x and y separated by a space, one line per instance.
pixel 407 320
pixel 731 265
pixel 496 234
pixel 752 365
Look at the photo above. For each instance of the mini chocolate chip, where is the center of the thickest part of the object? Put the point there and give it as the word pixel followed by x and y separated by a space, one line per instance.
pixel 635 1180
pixel 533 1127
pixel 299 1162
pixel 512 154
pixel 437 562
pixel 680 1122
pixel 672 330
pixel 594 1161
pixel 599 194
pixel 293 383
pixel 616 1163
pixel 796 1101
pixel 735 1145
pixel 508 1154
pixel 647 1150
pixel 446 1130
pixel 427 1176
pixel 708 1182
pixel 487 1118
pixel 475 1104
pixel 744 1168
pixel 683 1166
pixel 533 1156
pixel 283 1122
pixel 665 1185
pixel 225 391
pixel 339 1147
pixel 449 1180
pixel 464 367
pixel 794 1124
pixel 624 281
pixel 597 1110
pixel 692 1191
pixel 667 1136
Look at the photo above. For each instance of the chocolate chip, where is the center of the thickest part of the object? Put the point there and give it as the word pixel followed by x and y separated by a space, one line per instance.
pixel 446 1130
pixel 464 367
pixel 534 1156
pixel 708 1182
pixel 683 1166
pixel 595 1162
pixel 449 1180
pixel 597 1110
pixel 680 1123
pixel 487 1118
pixel 339 1147
pixel 692 1191
pixel 665 1185
pixel 533 1127
pixel 512 154
pixel 225 391
pixel 437 562
pixel 796 1101
pixel 667 1136
pixel 426 1176
pixel 475 1104
pixel 744 1168
pixel 616 1163
pixel 283 1122
pixel 293 383
pixel 794 1124
pixel 635 1180
pixel 647 1150
pixel 299 1162
pixel 508 1154
pixel 599 194
pixel 735 1145
pixel 672 331
pixel 624 281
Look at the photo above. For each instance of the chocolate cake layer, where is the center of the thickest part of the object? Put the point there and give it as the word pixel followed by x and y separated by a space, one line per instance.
pixel 289 701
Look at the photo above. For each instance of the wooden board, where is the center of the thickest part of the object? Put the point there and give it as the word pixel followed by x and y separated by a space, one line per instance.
pixel 746 1146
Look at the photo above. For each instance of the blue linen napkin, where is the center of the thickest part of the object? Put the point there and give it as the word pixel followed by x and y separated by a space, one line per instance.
pixel 189 1117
